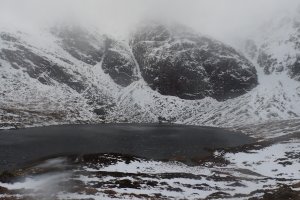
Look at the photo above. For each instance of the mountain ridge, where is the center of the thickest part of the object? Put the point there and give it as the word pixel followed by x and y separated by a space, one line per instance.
pixel 113 90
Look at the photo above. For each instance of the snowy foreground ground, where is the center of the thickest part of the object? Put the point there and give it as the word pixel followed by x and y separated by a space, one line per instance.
pixel 268 169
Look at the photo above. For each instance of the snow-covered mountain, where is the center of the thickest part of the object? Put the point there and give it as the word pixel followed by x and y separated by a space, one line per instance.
pixel 276 45
pixel 73 74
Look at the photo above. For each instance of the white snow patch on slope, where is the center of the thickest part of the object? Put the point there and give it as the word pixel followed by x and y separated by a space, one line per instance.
pixel 271 161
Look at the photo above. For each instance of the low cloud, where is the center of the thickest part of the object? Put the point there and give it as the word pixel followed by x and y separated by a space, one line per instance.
pixel 222 19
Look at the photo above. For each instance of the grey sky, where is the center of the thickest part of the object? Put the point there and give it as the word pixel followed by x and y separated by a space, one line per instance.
pixel 219 18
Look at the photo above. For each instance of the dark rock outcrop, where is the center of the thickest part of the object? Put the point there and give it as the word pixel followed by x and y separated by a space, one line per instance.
pixel 93 48
pixel 118 63
pixel 176 61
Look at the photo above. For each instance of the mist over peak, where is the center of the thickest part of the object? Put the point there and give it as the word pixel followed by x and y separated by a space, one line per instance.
pixel 224 20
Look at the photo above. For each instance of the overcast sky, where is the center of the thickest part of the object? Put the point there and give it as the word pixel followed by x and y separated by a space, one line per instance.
pixel 219 18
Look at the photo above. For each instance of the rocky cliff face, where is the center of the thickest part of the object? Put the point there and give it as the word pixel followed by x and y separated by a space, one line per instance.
pixel 119 63
pixel 93 48
pixel 176 61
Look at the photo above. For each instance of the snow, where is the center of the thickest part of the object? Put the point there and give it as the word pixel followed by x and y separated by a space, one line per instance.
pixel 269 161
pixel 255 169
pixel 153 167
